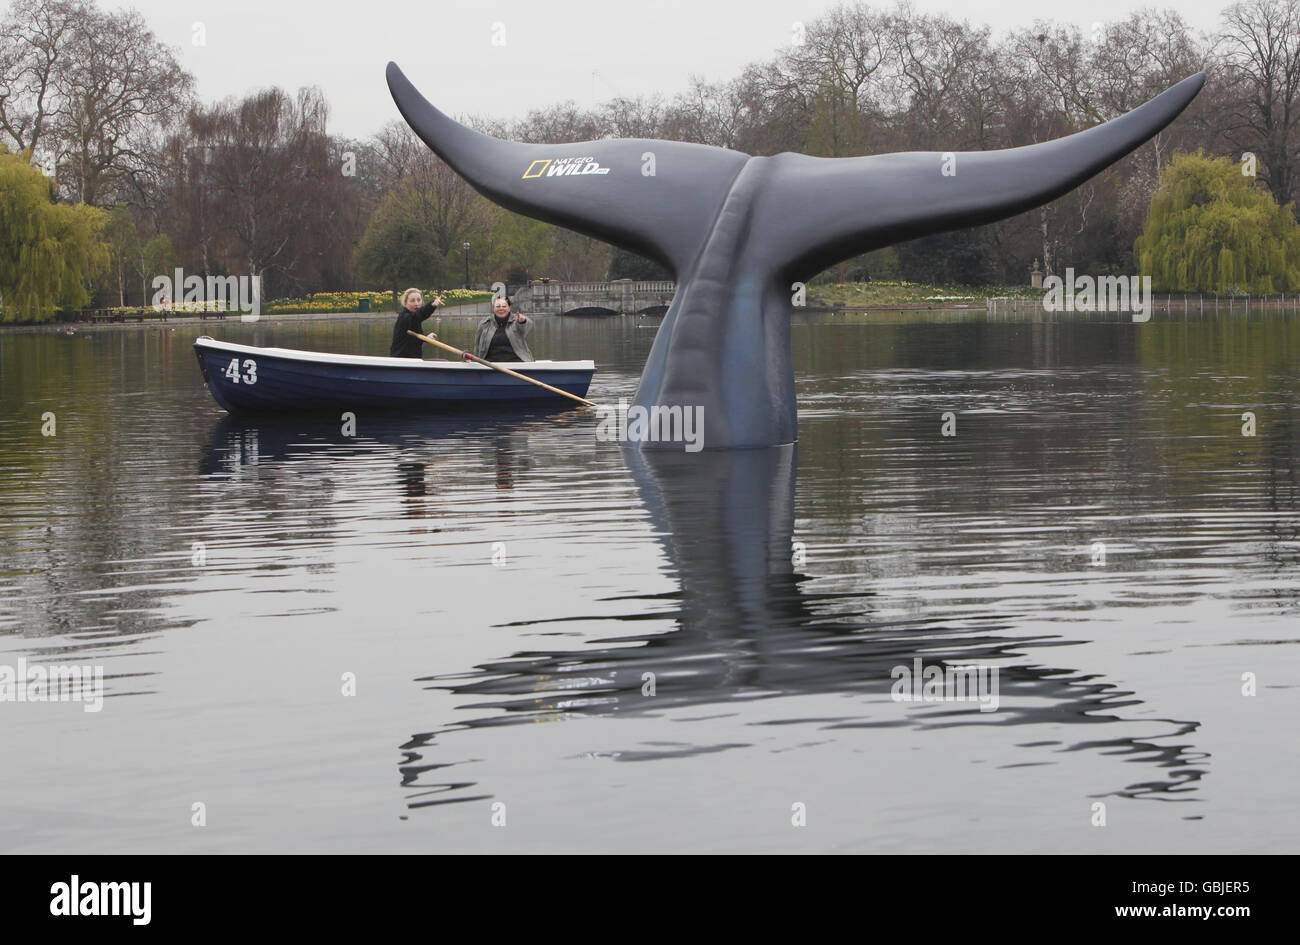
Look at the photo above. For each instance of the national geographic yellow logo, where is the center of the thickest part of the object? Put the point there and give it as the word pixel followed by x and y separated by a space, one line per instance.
pixel 564 167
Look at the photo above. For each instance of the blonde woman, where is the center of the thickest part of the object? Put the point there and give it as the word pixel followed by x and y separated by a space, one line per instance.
pixel 414 312
pixel 500 336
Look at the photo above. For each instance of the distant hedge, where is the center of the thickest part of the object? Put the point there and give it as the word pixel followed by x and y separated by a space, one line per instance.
pixel 329 302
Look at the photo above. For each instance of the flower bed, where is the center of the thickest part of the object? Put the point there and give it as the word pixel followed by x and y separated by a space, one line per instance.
pixel 881 292
pixel 331 302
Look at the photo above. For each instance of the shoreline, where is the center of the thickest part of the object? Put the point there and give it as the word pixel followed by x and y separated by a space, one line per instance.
pixel 60 328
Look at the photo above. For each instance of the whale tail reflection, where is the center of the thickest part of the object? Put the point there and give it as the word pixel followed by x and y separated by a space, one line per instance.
pixel 746 624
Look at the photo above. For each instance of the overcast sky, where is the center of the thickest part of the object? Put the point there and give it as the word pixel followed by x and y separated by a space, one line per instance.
pixel 584 50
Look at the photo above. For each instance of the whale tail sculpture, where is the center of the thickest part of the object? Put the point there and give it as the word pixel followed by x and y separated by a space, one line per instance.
pixel 737 231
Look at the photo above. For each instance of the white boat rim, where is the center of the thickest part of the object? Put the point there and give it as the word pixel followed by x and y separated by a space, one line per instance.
pixel 325 357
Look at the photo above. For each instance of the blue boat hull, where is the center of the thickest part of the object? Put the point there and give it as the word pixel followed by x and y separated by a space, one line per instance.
pixel 248 379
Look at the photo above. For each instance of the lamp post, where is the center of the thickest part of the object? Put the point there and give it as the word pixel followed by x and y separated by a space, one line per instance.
pixel 465 246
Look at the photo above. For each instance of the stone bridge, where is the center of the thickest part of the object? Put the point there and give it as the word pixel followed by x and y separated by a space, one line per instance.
pixel 621 297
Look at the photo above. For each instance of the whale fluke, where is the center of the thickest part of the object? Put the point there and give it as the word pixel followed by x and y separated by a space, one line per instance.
pixel 829 209
pixel 736 230
pixel 624 206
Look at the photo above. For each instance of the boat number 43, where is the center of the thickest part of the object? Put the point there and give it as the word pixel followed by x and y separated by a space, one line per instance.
pixel 250 371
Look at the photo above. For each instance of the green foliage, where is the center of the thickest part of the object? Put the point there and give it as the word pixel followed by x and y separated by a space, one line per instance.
pixel 1211 229
pixel 627 265
pixel 878 264
pixel 883 293
pixel 958 257
pixel 123 243
pixel 836 127
pixel 380 300
pixel 397 249
pixel 48 251
pixel 502 242
pixel 882 263
pixel 158 256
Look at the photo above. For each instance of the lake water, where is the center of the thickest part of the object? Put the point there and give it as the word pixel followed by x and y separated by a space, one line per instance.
pixel 617 651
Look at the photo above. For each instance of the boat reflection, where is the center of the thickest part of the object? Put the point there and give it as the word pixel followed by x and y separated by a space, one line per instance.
pixel 255 448
pixel 238 446
pixel 748 626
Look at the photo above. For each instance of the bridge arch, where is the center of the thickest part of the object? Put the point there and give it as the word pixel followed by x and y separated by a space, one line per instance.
pixel 621 296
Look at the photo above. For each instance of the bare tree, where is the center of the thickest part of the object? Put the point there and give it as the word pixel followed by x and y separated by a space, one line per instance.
pixel 256 186
pixel 119 84
pixel 397 152
pixel 444 202
pixel 707 113
pixel 1260 45
pixel 86 92
pixel 34 49
pixel 1132 61
pixel 638 117
pixel 557 125
pixel 944 73
pixel 1053 94
pixel 835 79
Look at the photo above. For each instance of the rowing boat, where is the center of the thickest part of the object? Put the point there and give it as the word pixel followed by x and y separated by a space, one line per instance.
pixel 246 378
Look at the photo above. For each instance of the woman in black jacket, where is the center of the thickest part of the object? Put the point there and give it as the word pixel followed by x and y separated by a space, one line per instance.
pixel 410 318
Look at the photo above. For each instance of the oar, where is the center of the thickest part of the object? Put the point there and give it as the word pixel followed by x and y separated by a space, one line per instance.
pixel 496 367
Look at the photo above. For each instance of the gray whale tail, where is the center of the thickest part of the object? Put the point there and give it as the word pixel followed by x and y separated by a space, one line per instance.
pixel 737 230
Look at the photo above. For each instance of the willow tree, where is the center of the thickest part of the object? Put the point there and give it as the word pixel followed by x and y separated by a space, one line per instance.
pixel 48 251
pixel 1210 228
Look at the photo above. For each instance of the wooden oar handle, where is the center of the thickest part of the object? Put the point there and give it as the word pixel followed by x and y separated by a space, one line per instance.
pixel 496 367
